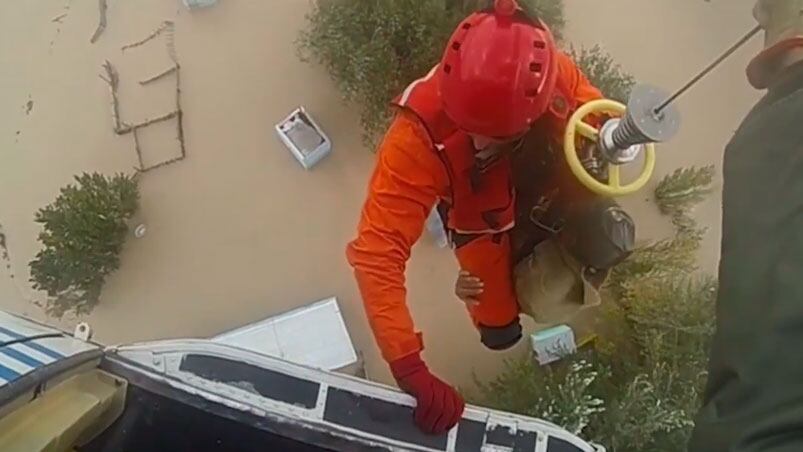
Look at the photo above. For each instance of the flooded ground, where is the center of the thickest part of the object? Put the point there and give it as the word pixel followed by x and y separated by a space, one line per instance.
pixel 238 231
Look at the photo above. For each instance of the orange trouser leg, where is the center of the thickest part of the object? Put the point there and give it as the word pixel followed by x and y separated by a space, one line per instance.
pixel 488 257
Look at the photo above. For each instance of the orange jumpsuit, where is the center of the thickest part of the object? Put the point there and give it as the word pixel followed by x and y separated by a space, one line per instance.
pixel 409 179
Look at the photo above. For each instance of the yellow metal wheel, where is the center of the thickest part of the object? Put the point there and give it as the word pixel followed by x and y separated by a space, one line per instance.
pixel 614 186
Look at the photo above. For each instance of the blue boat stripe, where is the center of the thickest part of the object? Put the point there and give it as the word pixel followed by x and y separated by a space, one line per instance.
pixel 21 357
pixel 8 374
pixel 43 350
pixel 36 346
pixel 13 334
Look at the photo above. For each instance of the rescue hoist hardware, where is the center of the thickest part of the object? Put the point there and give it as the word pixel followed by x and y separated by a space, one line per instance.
pixel 648 118
pixel 620 140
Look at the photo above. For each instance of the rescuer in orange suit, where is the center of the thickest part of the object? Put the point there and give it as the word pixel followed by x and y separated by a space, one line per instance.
pixel 450 144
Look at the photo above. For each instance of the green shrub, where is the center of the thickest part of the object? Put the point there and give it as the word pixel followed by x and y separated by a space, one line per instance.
pixel 643 419
pixel 637 395
pixel 564 393
pixel 676 195
pixel 679 191
pixel 83 233
pixel 675 255
pixel 603 72
pixel 550 11
pixel 648 368
pixel 373 49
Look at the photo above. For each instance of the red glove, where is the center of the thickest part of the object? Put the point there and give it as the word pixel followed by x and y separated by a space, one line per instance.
pixel 439 406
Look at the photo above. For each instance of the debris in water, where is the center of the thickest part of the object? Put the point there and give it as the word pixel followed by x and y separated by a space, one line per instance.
pixel 165 73
pixel 102 7
pixel 3 246
pixel 128 128
pixel 165 26
pixel 140 230
pixel 196 4
pixel 121 128
pixel 59 20
pixel 113 81
pixel 4 253
pixel 304 138
pixel 28 106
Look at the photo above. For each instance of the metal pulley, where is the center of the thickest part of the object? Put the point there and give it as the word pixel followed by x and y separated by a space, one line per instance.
pixel 648 118
pixel 632 131
pixel 621 140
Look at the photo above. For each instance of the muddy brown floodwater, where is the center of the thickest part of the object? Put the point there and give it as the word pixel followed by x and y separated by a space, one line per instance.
pixel 238 231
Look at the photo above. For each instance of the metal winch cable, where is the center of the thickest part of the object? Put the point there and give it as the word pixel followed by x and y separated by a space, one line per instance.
pixel 649 118
pixel 707 70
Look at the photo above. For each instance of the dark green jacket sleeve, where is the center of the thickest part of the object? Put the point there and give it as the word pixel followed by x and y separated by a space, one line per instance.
pixel 754 396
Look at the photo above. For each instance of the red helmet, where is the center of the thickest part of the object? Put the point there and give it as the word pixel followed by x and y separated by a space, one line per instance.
pixel 498 72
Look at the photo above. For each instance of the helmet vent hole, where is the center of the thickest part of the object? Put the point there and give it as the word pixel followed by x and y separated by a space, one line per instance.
pixel 455 46
pixel 539 44
pixel 531 92
pixel 536 67
pixel 466 26
pixel 447 68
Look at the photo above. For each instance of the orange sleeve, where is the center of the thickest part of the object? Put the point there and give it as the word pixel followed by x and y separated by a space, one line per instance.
pixel 575 84
pixel 406 183
pixel 571 83
pixel 575 81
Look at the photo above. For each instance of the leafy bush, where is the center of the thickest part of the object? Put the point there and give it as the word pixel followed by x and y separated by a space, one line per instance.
pixel 644 419
pixel 603 72
pixel 636 395
pixel 648 368
pixel 572 404
pixel 84 231
pixel 676 195
pixel 564 393
pixel 660 367
pixel 677 192
pixel 550 11
pixel 675 255
pixel 373 50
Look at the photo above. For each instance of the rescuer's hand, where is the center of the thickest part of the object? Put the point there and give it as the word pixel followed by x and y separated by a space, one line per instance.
pixel 439 407
pixel 468 288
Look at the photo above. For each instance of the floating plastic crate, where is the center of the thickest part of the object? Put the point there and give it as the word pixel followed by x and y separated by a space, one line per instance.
pixel 196 4
pixel 305 139
pixel 553 344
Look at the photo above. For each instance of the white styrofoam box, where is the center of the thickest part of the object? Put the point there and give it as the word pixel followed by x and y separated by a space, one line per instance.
pixel 313 335
pixel 305 139
pixel 553 344
pixel 195 4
